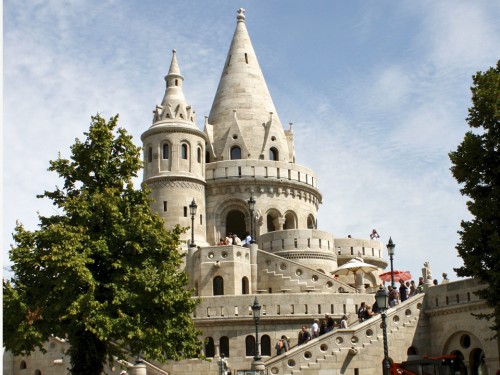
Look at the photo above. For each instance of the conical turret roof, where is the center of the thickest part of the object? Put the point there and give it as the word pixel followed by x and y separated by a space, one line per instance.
pixel 243 101
pixel 174 105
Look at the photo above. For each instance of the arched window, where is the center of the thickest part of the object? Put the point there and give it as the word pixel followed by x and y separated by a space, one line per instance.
pixel 235 223
pixel 218 285
pixel 270 223
pixel 150 154
pixel 311 223
pixel 244 285
pixel 411 351
pixel 250 346
pixel 37 372
pixel 273 153
pixel 209 347
pixel 265 345
pixel 235 153
pixel 166 151
pixel 290 222
pixel 198 156
pixel 224 346
pixel 184 151
pixel 458 363
pixel 22 365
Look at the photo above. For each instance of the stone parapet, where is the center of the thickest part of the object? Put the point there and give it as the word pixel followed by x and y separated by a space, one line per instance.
pixel 361 346
pixel 260 168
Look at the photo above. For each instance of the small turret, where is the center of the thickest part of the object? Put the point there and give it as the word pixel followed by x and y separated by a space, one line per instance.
pixel 173 105
pixel 174 163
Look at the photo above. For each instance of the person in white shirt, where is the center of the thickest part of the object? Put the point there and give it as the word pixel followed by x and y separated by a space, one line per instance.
pixel 236 240
pixel 247 241
pixel 315 329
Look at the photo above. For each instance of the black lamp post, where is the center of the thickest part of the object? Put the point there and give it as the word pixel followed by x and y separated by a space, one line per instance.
pixel 382 298
pixel 390 249
pixel 251 208
pixel 256 316
pixel 192 210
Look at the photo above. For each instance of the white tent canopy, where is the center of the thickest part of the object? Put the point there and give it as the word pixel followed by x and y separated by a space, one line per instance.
pixel 354 266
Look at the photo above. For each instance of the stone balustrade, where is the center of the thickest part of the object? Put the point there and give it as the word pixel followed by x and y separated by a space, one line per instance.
pixel 363 341
pixel 260 169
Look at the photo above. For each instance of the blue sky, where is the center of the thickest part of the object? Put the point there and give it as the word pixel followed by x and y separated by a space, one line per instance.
pixel 377 91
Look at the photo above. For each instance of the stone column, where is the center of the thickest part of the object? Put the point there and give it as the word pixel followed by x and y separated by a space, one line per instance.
pixel 253 267
pixel 359 282
pixel 281 223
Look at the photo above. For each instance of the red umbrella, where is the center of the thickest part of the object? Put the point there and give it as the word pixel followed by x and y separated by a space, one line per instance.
pixel 398 275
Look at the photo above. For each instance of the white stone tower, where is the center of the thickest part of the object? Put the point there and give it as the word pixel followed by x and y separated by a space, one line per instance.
pixel 249 153
pixel 174 162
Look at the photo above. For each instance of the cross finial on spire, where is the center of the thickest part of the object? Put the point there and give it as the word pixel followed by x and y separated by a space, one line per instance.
pixel 241 15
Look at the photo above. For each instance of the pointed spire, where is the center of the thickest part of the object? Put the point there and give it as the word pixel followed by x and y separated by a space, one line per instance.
pixel 174 93
pixel 242 88
pixel 174 67
pixel 174 105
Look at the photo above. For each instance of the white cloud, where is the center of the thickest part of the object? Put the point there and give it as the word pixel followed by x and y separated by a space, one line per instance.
pixel 377 95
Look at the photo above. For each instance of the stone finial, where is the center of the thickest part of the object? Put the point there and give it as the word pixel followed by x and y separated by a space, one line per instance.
pixel 241 15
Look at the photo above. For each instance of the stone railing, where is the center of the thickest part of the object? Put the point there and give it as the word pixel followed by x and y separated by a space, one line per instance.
pixel 284 304
pixel 260 169
pixel 313 279
pixel 453 294
pixel 341 343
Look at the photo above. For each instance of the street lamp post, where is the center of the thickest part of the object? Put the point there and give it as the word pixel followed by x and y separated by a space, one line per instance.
pixel 382 298
pixel 390 249
pixel 256 316
pixel 192 210
pixel 251 208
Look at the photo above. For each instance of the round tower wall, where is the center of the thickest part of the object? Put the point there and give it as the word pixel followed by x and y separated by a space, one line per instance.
pixel 174 150
pixel 278 206
pixel 171 200
pixel 174 170
pixel 310 247
pixel 261 168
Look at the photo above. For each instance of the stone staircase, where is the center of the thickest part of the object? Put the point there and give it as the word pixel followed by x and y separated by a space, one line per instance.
pixel 288 284
pixel 358 346
pixel 287 276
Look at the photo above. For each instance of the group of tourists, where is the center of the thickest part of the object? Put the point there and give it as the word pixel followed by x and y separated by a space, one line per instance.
pixel 233 239
pixel 317 329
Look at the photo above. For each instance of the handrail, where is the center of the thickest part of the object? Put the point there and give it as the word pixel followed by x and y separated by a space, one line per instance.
pixel 345 339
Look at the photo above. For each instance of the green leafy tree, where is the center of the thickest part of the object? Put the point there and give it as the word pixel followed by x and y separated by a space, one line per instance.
pixel 104 273
pixel 476 165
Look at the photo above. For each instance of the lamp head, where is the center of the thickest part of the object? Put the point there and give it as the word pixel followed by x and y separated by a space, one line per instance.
pixel 390 246
pixel 256 309
pixel 192 208
pixel 251 203
pixel 382 298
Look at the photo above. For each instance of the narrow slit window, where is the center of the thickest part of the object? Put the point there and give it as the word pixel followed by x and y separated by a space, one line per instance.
pixel 165 206
pixel 185 211
pixel 165 151
pixel 246 58
pixel 150 154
